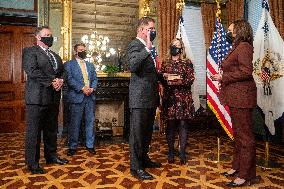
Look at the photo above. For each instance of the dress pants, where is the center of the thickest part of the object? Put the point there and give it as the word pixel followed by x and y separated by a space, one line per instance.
pixel 41 118
pixel 76 113
pixel 141 129
pixel 244 150
pixel 66 115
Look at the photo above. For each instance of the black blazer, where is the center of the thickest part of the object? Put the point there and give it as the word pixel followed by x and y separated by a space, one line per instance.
pixel 143 87
pixel 40 75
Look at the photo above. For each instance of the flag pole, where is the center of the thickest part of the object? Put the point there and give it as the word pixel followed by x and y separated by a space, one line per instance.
pixel 267 163
pixel 212 157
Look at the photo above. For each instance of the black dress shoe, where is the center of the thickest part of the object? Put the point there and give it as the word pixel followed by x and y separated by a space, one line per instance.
pixel 141 174
pixel 151 164
pixel 232 184
pixel 71 152
pixel 36 170
pixel 92 150
pixel 171 160
pixel 226 174
pixel 182 161
pixel 57 161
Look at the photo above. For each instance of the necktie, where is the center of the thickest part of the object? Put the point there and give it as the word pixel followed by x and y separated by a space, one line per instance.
pixel 84 72
pixel 52 60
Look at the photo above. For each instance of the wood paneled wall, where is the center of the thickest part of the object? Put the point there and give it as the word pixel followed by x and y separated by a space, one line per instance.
pixel 12 77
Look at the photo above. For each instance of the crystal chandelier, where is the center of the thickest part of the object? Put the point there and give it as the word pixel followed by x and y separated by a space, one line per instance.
pixel 97 46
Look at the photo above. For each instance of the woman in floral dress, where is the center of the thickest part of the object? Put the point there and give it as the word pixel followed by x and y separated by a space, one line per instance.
pixel 177 103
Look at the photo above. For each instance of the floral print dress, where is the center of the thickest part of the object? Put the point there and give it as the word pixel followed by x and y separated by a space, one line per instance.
pixel 177 102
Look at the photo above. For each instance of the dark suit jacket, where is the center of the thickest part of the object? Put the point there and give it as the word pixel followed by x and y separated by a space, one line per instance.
pixel 40 75
pixel 75 80
pixel 143 87
pixel 238 88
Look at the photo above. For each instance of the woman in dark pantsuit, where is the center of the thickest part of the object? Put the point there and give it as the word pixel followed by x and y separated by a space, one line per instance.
pixel 177 100
pixel 238 91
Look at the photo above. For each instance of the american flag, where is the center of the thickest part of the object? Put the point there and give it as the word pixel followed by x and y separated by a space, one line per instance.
pixel 154 56
pixel 265 74
pixel 217 51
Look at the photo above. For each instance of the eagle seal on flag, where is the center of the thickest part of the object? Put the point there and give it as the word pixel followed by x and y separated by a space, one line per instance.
pixel 268 71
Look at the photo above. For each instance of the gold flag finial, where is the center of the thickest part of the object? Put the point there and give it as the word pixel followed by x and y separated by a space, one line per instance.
pixel 180 5
pixel 218 13
pixel 146 8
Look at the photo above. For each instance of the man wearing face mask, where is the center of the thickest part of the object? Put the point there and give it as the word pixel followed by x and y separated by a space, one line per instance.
pixel 143 98
pixel 44 71
pixel 82 81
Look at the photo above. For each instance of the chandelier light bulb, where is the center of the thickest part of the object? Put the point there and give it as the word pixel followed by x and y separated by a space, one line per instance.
pixel 103 48
pixel 91 47
pixel 93 35
pixel 84 38
pixel 112 51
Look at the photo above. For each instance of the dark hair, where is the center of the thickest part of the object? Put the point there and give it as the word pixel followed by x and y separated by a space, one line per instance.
pixel 144 21
pixel 77 45
pixel 243 32
pixel 38 29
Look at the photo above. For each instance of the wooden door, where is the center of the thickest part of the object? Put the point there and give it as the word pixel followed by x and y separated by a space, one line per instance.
pixel 12 77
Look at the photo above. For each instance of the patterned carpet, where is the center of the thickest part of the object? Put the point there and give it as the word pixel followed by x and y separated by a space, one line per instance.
pixel 110 167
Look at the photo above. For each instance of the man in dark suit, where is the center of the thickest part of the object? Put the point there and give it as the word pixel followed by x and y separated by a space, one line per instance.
pixel 82 81
pixel 143 98
pixel 44 71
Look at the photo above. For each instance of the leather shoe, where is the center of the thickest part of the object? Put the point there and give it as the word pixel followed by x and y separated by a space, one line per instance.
pixel 151 164
pixel 36 170
pixel 182 161
pixel 141 174
pixel 232 184
pixel 171 160
pixel 226 174
pixel 71 152
pixel 57 161
pixel 92 150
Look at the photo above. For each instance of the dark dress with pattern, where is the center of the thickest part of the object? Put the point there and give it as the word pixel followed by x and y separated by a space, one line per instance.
pixel 177 100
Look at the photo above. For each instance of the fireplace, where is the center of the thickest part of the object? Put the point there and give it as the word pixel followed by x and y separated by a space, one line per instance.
pixel 112 107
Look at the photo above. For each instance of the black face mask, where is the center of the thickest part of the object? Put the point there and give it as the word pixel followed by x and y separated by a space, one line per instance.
pixel 48 41
pixel 82 54
pixel 229 37
pixel 175 51
pixel 152 35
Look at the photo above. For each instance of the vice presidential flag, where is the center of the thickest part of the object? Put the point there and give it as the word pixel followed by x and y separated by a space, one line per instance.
pixel 181 33
pixel 268 62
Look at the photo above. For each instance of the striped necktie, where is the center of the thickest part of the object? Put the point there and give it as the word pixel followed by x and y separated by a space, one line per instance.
pixel 51 59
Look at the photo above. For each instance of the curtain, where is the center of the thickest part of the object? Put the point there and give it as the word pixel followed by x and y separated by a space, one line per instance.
pixel 208 12
pixel 277 14
pixel 168 18
pixel 235 10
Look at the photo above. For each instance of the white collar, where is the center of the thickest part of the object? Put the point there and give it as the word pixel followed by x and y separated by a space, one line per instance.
pixel 43 48
pixel 79 60
pixel 142 41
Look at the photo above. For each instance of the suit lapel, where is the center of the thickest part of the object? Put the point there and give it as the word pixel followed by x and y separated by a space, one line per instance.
pixel 88 70
pixel 39 49
pixel 78 69
pixel 150 57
